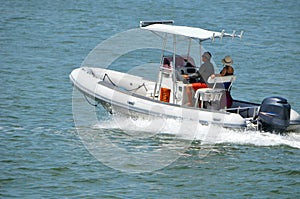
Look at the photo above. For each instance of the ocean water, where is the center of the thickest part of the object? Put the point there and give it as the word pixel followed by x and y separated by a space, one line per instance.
pixel 41 152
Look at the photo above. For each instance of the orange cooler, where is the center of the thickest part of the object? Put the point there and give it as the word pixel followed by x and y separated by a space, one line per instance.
pixel 165 94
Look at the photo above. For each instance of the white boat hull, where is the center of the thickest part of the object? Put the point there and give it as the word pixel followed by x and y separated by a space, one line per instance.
pixel 131 95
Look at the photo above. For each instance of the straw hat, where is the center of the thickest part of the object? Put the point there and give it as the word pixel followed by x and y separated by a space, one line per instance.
pixel 227 60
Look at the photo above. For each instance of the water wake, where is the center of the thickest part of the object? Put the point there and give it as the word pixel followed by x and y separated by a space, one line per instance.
pixel 206 134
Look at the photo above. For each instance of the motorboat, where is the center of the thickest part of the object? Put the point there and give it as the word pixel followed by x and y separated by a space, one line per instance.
pixel 166 95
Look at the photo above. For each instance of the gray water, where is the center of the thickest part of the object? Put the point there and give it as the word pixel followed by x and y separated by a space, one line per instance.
pixel 41 154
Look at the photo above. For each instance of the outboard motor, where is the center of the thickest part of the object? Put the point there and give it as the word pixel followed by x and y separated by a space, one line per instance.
pixel 274 115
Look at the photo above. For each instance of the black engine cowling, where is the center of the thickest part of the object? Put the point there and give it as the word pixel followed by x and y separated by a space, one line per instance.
pixel 274 114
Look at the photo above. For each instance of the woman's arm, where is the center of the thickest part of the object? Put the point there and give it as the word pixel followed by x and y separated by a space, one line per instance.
pixel 223 72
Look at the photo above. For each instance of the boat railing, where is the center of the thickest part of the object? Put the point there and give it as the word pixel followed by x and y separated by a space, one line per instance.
pixel 246 112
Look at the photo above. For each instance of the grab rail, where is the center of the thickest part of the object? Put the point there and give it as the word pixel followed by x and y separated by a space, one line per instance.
pixel 240 109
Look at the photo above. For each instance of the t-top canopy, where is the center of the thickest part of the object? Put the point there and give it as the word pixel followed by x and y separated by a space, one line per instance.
pixel 192 32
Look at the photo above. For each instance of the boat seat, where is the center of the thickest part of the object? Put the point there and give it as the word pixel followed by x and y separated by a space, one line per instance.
pixel 207 95
pixel 222 79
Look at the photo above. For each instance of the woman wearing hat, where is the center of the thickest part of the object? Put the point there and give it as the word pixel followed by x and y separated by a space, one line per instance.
pixel 226 99
pixel 227 69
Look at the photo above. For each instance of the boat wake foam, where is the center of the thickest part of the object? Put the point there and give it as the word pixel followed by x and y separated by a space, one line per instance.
pixel 206 134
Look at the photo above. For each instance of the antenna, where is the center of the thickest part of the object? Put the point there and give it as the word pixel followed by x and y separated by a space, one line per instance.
pixel 233 34
pixel 222 34
pixel 241 34
pixel 147 23
pixel 213 38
